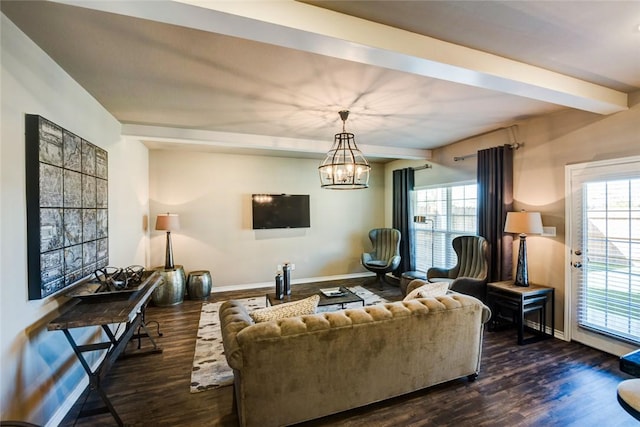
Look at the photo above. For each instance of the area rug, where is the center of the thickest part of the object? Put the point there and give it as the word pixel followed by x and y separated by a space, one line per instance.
pixel 210 369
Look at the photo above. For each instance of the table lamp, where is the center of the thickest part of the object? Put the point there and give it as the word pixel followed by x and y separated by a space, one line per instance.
pixel 523 223
pixel 168 222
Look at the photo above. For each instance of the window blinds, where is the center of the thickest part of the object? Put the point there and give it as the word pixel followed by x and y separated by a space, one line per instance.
pixel 609 283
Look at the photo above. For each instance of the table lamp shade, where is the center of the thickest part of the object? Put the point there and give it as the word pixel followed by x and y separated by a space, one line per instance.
pixel 523 223
pixel 168 221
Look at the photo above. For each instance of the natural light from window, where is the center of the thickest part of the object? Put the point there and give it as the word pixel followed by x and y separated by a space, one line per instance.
pixel 450 211
pixel 609 296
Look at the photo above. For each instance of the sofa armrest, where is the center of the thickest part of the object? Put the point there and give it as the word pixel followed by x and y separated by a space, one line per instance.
pixel 233 319
pixel 486 314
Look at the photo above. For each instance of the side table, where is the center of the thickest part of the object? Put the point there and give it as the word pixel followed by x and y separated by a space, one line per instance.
pixel 171 290
pixel 521 300
pixel 630 363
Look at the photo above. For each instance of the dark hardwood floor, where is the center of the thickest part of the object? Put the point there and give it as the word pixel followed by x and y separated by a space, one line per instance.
pixel 548 383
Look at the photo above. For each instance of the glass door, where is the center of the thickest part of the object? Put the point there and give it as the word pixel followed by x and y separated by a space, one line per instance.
pixel 603 223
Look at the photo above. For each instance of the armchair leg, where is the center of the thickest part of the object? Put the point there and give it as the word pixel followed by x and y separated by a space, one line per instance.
pixel 382 279
pixel 379 280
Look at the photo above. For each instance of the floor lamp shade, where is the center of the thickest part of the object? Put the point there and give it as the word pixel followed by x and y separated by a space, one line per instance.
pixel 523 223
pixel 168 222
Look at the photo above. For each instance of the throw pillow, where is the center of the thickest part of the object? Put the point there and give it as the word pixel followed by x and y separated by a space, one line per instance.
pixel 428 290
pixel 287 309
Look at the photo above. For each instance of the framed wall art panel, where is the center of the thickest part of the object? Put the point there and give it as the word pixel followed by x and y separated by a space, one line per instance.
pixel 67 207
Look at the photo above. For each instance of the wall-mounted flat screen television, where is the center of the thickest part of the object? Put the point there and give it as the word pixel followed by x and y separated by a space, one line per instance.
pixel 280 211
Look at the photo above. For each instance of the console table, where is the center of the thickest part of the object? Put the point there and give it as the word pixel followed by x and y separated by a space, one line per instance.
pixel 521 300
pixel 102 310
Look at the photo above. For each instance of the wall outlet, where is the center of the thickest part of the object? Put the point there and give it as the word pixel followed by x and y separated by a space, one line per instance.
pixel 293 267
pixel 548 232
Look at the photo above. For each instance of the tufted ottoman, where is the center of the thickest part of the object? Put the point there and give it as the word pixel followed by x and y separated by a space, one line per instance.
pixel 629 396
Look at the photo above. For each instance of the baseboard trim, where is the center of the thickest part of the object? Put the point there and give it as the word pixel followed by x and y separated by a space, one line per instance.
pixel 68 403
pixel 536 326
pixel 245 286
pixel 72 398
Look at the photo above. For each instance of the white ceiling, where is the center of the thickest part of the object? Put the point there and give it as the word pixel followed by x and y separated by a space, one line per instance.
pixel 269 76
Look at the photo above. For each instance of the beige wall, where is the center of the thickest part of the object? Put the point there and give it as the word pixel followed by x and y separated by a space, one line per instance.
pixel 550 143
pixel 39 374
pixel 212 195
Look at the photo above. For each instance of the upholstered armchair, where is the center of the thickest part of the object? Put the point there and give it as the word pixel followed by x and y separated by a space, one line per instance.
pixel 385 256
pixel 469 276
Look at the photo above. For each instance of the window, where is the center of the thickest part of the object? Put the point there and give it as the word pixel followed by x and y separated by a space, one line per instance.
pixel 603 225
pixel 609 298
pixel 450 212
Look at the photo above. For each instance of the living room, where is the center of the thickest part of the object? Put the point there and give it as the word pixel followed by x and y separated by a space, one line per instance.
pixel 211 191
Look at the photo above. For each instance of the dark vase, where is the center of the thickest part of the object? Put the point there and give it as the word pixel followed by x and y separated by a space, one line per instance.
pixel 279 287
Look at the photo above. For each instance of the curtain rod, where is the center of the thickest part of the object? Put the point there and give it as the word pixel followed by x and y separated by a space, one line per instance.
pixel 469 156
pixel 425 166
pixel 515 144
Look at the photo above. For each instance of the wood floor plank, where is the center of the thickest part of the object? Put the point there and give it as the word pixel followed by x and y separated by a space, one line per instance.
pixel 548 383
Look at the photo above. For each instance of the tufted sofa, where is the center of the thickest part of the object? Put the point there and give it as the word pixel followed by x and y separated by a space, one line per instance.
pixel 300 368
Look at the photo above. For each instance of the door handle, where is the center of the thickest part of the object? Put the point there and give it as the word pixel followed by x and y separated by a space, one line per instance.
pixel 578 252
pixel 577 264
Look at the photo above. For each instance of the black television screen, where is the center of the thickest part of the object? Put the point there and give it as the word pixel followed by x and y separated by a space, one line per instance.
pixel 280 211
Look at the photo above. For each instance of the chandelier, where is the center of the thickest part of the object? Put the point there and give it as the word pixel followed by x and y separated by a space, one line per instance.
pixel 344 167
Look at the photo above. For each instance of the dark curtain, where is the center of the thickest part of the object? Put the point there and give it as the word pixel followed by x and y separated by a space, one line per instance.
pixel 403 217
pixel 495 199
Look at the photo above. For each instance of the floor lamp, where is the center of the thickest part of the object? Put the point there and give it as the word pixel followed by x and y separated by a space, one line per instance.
pixel 523 223
pixel 421 219
pixel 168 222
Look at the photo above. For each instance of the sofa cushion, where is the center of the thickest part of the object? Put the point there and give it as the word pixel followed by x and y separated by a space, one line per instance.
pixel 428 290
pixel 287 309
